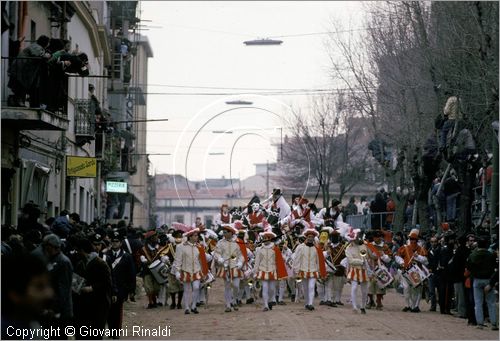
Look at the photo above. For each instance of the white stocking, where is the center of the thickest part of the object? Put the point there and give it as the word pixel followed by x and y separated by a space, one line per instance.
pixel 196 293
pixel 272 291
pixel 321 291
pixel 186 295
pixel 282 288
pixel 329 289
pixel 265 293
pixel 364 294
pixel 227 293
pixel 236 288
pixel 354 287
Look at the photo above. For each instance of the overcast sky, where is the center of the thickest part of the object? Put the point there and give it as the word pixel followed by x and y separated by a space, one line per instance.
pixel 199 49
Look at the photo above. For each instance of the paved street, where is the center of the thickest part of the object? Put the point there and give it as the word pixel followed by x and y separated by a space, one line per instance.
pixel 294 322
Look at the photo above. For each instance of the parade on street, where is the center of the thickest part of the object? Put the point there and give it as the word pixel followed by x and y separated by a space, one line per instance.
pixel 231 170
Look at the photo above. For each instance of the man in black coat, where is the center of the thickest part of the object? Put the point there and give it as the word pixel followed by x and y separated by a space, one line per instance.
pixel 457 276
pixel 444 270
pixel 133 245
pixel 433 257
pixel 94 301
pixel 122 268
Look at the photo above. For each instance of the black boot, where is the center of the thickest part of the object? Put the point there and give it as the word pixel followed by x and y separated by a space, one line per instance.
pixel 172 306
pixel 179 301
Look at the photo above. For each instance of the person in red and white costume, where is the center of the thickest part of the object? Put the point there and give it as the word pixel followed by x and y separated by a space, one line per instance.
pixel 198 224
pixel 407 256
pixel 224 217
pixel 204 239
pixel 295 201
pixel 309 265
pixel 356 253
pixel 241 240
pixel 379 253
pixel 228 255
pixel 256 218
pixel 301 214
pixel 290 281
pixel 269 267
pixel 190 266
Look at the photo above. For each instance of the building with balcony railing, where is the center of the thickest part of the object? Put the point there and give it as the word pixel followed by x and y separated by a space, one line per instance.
pixel 127 106
pixel 96 114
pixel 37 137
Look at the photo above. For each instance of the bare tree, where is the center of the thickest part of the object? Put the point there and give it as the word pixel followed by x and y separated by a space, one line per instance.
pixel 321 148
pixel 401 71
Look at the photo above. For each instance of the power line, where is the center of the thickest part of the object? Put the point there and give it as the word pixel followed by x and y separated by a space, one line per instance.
pixel 135 121
pixel 224 88
pixel 328 32
pixel 278 36
pixel 286 93
pixel 210 131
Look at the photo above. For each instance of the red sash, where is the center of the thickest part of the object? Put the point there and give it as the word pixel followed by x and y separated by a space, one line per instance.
pixel 243 249
pixel 203 260
pixel 374 249
pixel 280 264
pixel 322 263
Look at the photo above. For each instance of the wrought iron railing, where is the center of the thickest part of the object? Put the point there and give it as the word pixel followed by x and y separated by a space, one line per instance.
pixel 364 221
pixel 84 118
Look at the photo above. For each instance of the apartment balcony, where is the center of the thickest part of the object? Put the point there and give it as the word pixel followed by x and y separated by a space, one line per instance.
pixel 84 121
pixel 120 73
pixel 32 119
pixel 18 116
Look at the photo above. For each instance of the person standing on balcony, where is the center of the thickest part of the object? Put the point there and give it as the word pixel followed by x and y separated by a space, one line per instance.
pixel 25 73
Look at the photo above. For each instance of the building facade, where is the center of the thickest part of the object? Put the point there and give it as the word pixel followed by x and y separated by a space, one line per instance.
pixel 61 143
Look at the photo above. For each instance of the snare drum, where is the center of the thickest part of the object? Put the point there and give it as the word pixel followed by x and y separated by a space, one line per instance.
pixel 209 279
pixel 160 271
pixel 383 276
pixel 414 276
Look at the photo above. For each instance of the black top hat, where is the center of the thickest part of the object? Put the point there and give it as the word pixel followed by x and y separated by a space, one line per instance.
pixel 276 191
pixel 335 202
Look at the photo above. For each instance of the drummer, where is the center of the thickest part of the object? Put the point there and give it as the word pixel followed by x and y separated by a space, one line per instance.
pixel 174 287
pixel 148 254
pixel 379 253
pixel 190 266
pixel 409 257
